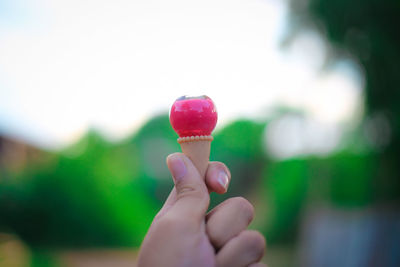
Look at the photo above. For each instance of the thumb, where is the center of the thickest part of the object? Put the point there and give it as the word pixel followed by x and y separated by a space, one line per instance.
pixel 192 198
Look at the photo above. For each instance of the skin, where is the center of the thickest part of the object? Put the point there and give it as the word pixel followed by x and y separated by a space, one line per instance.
pixel 184 234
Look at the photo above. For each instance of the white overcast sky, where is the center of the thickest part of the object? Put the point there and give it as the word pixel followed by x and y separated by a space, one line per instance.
pixel 68 65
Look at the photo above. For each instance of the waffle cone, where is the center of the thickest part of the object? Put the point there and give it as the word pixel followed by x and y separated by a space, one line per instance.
pixel 199 153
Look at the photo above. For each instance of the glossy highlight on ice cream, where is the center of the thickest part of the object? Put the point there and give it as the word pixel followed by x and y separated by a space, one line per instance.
pixel 193 116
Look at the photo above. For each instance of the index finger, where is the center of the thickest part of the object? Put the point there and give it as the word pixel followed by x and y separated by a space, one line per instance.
pixel 218 177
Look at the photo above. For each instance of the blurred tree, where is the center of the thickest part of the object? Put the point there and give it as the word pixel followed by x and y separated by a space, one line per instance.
pixel 95 193
pixel 368 31
pixel 240 146
pixel 285 187
pixel 154 142
pixel 86 197
pixel 293 185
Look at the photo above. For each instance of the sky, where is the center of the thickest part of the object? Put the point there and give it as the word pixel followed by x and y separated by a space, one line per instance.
pixel 68 65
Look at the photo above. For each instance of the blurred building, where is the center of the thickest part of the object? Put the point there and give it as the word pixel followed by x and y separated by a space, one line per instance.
pixel 15 155
pixel 359 237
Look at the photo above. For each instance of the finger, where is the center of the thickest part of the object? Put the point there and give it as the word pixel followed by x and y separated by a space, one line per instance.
pixel 219 226
pixel 258 264
pixel 242 250
pixel 217 180
pixel 217 177
pixel 192 198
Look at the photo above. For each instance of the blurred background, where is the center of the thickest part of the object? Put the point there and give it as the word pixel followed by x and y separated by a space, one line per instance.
pixel 309 123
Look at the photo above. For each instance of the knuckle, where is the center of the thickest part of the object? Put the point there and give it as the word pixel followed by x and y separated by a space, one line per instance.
pixel 255 242
pixel 245 207
pixel 217 238
pixel 191 190
pixel 187 189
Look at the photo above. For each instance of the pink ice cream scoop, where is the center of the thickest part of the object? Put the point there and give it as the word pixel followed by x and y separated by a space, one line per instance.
pixel 193 117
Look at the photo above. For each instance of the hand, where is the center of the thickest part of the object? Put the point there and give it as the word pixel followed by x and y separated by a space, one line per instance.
pixel 182 234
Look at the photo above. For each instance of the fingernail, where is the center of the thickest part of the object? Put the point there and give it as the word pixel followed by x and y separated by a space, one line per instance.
pixel 178 168
pixel 223 179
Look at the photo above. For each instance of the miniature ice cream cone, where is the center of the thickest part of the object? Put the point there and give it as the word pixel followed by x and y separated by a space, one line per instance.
pixel 193 119
pixel 199 153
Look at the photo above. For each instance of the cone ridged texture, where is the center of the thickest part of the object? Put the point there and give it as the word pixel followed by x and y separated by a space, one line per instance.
pixel 195 138
pixel 199 153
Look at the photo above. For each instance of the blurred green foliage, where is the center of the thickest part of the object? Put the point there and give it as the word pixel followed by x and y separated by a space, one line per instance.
pixel 79 200
pixel 95 193
pixel 285 186
pixel 240 146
